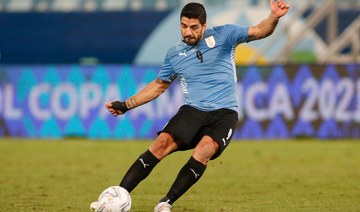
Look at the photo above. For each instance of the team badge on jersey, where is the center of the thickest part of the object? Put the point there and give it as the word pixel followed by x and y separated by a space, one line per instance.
pixel 210 42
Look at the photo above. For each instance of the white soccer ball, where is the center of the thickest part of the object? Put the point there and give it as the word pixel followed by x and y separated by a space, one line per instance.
pixel 113 199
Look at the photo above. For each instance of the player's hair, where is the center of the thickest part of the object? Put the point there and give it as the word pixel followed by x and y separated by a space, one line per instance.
pixel 195 11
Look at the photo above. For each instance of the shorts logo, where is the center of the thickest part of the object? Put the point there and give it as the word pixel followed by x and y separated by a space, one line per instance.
pixel 210 42
pixel 228 137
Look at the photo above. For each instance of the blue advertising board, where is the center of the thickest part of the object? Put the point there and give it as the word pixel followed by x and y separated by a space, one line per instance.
pixel 275 102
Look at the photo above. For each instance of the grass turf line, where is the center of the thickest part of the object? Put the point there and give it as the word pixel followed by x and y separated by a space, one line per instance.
pixel 250 176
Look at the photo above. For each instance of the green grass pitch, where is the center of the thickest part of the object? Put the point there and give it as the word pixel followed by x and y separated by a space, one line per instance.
pixel 304 175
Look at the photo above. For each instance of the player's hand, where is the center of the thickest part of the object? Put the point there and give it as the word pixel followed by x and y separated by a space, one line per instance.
pixel 110 108
pixel 279 8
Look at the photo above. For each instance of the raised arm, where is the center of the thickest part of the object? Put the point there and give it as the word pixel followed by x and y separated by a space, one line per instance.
pixel 149 93
pixel 266 27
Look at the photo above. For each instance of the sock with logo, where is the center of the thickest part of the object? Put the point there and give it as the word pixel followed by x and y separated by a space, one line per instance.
pixel 140 169
pixel 188 176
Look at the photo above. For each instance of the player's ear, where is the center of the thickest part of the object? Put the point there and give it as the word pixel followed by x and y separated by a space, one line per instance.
pixel 204 28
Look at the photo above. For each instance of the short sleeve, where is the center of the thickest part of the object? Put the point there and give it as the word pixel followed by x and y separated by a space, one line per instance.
pixel 236 34
pixel 167 72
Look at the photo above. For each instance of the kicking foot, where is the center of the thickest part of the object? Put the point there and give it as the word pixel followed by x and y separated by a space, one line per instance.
pixel 162 207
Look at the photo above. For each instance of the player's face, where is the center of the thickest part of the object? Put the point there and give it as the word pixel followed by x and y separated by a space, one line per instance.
pixel 191 30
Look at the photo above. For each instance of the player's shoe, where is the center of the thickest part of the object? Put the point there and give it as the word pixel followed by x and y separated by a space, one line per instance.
pixel 162 207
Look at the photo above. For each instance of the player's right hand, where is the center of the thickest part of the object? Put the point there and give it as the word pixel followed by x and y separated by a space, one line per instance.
pixel 110 108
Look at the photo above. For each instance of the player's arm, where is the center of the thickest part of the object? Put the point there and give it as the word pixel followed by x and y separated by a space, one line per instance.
pixel 149 93
pixel 268 25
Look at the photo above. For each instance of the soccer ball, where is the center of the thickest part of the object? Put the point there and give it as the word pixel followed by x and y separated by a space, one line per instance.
pixel 112 199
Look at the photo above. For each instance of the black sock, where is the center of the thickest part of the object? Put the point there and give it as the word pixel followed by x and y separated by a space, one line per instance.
pixel 140 169
pixel 188 176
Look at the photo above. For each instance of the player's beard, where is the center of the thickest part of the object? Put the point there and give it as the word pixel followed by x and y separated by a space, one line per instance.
pixel 192 41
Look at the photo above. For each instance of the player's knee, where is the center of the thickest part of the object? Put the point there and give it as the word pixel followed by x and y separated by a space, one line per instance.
pixel 163 145
pixel 205 150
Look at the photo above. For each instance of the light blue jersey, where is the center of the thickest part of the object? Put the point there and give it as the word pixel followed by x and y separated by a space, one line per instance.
pixel 207 70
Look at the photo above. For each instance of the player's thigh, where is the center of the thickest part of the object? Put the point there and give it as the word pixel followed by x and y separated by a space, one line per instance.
pixel 221 128
pixel 186 125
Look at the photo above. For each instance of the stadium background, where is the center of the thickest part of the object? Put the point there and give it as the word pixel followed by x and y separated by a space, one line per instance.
pixel 62 59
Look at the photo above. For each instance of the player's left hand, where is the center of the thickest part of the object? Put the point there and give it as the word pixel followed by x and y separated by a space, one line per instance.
pixel 279 8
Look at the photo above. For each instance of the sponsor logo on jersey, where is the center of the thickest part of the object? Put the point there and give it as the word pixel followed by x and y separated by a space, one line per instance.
pixel 182 53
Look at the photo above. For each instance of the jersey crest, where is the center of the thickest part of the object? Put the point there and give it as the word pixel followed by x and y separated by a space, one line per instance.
pixel 210 42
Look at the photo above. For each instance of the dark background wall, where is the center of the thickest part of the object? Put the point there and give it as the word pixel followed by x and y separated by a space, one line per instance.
pixel 112 37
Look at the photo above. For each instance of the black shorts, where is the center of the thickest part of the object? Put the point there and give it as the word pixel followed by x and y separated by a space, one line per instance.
pixel 189 125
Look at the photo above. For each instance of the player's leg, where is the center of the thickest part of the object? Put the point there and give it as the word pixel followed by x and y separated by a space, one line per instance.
pixel 218 130
pixel 193 169
pixel 186 126
pixel 169 140
pixel 141 168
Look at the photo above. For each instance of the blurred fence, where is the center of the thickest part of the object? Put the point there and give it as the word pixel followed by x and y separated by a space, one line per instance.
pixel 118 5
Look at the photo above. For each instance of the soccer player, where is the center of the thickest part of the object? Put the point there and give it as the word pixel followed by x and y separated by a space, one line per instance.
pixel 204 62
